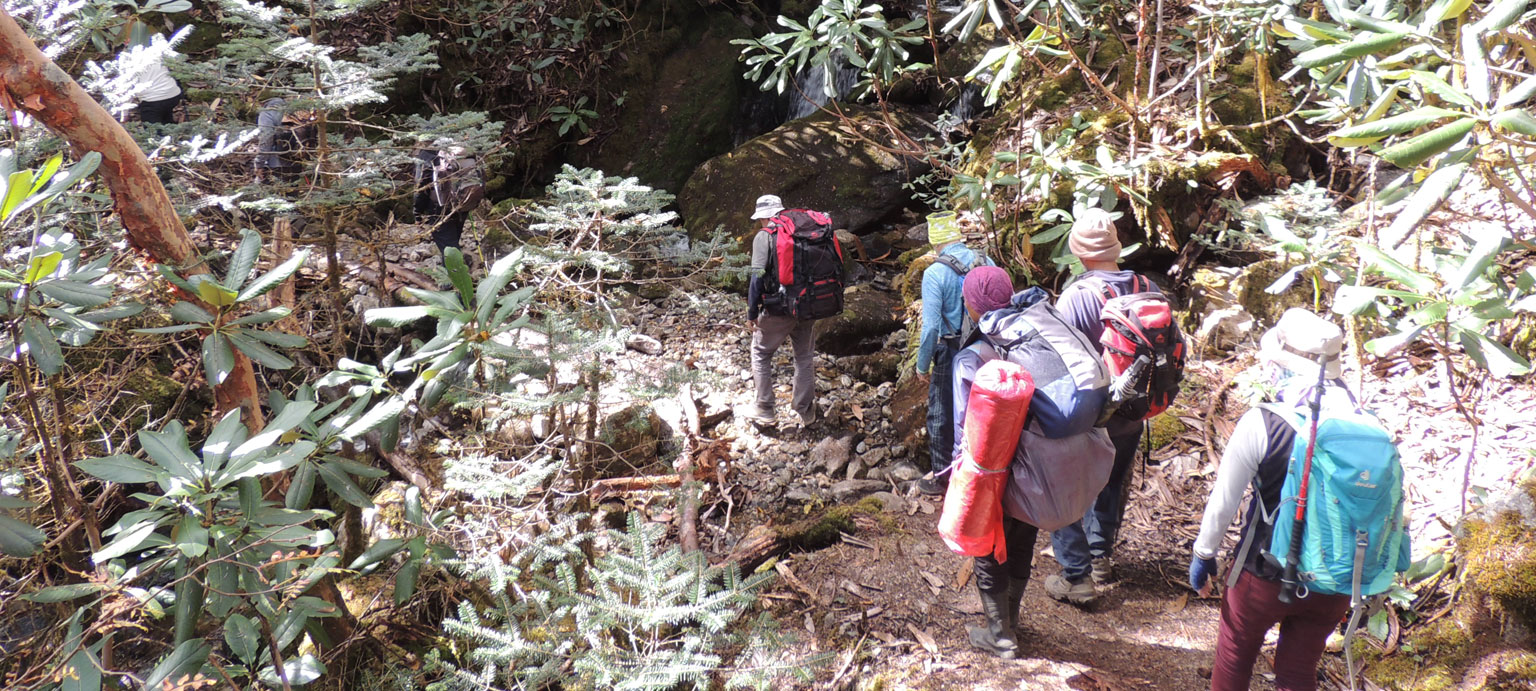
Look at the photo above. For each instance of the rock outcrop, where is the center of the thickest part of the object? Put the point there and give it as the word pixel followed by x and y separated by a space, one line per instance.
pixel 819 162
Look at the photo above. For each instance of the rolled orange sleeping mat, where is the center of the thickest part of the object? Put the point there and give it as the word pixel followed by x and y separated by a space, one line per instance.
pixel 972 521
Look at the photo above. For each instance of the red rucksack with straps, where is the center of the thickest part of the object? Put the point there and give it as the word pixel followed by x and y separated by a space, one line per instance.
pixel 1143 350
pixel 806 264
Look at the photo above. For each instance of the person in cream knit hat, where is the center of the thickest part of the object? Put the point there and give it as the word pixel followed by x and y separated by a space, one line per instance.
pixel 1084 548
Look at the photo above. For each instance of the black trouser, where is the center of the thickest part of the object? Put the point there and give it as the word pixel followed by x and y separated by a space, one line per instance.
pixel 160 112
pixel 447 228
pixel 992 577
pixel 941 406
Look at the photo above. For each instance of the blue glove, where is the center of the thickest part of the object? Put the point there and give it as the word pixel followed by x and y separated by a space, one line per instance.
pixel 1200 571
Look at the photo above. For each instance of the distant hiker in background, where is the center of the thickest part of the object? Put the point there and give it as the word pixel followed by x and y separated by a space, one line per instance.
pixel 796 278
pixel 283 138
pixel 1084 548
pixel 449 185
pixel 1000 585
pixel 157 92
pixel 945 329
pixel 1270 443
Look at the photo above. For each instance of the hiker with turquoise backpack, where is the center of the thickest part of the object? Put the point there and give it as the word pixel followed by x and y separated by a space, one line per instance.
pixel 1325 527
pixel 946 329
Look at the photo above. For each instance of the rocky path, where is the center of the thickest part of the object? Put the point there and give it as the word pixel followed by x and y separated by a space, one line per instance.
pixel 891 603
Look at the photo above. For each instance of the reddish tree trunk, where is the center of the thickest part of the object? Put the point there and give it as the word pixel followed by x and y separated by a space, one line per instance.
pixel 40 89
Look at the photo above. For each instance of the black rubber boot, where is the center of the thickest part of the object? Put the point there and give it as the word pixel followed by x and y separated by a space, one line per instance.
pixel 997 636
pixel 1015 598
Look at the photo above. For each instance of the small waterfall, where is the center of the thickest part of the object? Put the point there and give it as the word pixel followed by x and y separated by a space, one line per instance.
pixel 810 87
pixel 764 110
pixel 969 104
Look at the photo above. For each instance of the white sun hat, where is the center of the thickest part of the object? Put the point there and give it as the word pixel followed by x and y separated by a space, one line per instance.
pixel 768 206
pixel 1300 340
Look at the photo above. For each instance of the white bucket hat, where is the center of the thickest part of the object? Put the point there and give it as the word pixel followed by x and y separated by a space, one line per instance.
pixel 768 206
pixel 1300 340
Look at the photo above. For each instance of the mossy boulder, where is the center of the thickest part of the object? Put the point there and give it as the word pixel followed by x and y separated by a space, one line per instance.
pixel 868 315
pixel 910 284
pixel 630 441
pixel 875 368
pixel 148 395
pixel 1165 429
pixel 1498 548
pixel 817 162
pixel 685 92
pixel 909 414
pixel 1250 288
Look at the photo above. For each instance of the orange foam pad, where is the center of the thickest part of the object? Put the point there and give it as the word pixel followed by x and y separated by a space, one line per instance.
pixel 972 521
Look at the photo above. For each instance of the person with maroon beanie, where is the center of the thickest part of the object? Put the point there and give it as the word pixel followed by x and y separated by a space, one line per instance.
pixel 1259 454
pixel 1000 585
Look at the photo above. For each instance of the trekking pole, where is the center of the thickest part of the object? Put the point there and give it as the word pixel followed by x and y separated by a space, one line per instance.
pixel 1288 580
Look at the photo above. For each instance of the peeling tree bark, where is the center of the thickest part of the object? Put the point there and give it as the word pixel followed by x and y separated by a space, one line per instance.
pixel 40 89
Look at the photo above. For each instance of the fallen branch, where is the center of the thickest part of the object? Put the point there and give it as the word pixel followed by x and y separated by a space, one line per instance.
pixel 635 483
pixel 688 517
pixel 405 466
pixel 765 542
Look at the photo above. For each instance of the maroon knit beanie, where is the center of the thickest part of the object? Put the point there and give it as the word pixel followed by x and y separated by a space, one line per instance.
pixel 987 288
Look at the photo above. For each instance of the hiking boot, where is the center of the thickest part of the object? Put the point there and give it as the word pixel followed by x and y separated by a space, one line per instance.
pixel 996 637
pixel 1079 592
pixel 756 415
pixel 933 485
pixel 1015 599
pixel 1103 571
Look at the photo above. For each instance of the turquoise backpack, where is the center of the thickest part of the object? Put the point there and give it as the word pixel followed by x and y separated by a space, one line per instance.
pixel 1355 540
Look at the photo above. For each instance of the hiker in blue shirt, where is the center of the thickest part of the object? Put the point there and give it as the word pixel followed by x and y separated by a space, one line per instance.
pixel 944 330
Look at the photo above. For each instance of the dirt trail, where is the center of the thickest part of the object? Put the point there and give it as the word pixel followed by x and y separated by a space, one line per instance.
pixel 1145 632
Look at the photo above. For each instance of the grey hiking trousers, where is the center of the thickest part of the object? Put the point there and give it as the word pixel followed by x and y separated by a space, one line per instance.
pixel 772 331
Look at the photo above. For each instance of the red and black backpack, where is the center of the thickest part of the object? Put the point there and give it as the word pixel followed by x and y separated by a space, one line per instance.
pixel 805 270
pixel 1143 349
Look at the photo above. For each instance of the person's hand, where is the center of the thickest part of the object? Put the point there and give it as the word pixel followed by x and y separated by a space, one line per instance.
pixel 924 376
pixel 752 324
pixel 1200 573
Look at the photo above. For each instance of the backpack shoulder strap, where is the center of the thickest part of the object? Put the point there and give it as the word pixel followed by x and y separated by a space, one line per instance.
pixel 1297 419
pixel 1098 286
pixel 1264 515
pixel 953 264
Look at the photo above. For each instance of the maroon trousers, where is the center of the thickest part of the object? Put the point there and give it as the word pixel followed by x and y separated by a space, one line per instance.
pixel 1248 611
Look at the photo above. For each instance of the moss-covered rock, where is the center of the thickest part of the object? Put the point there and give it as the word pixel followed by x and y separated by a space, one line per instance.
pixel 149 395
pixel 1485 641
pixel 1499 551
pixel 629 441
pixel 1431 660
pixel 875 368
pixel 813 162
pixel 1249 288
pixel 868 314
pixel 1166 429
pixel 909 414
pixel 910 284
